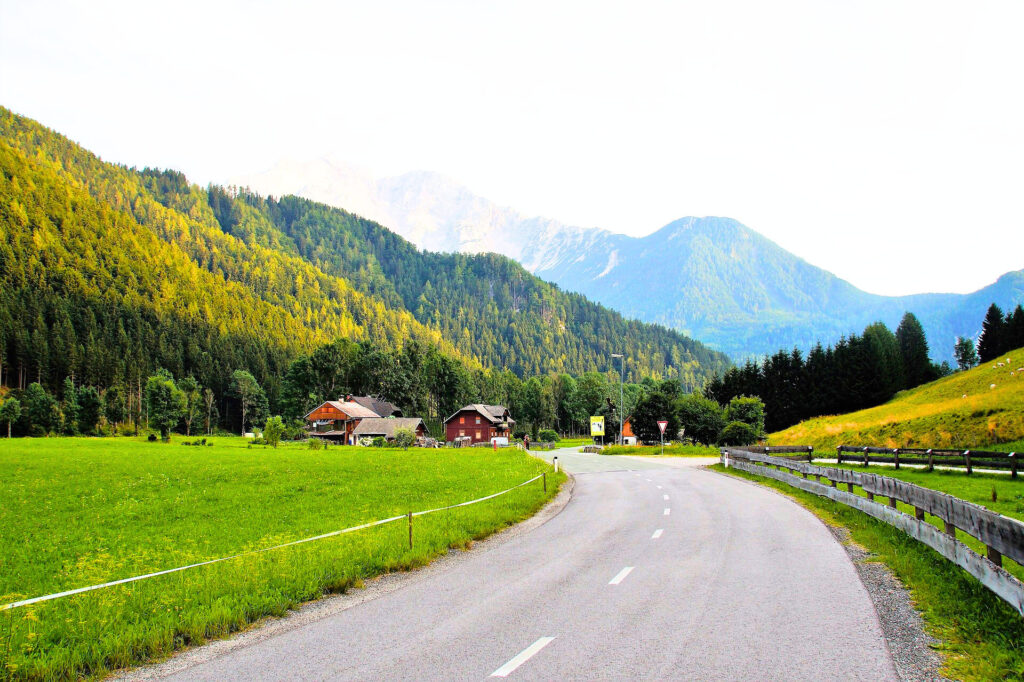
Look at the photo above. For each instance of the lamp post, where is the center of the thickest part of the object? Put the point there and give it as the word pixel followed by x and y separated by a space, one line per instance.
pixel 622 363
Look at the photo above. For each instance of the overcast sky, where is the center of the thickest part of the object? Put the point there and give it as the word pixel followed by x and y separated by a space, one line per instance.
pixel 883 141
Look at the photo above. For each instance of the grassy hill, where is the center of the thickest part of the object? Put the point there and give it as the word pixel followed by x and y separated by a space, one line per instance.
pixel 978 408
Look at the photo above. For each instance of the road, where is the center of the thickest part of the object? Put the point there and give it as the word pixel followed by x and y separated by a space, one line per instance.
pixel 654 570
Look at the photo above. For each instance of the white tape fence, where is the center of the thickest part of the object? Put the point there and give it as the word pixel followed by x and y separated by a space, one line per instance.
pixel 380 522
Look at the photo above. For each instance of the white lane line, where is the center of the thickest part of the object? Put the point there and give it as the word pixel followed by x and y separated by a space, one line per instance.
pixel 659 487
pixel 657 533
pixel 665 496
pixel 621 576
pixel 522 657
pixel 667 511
pixel 648 480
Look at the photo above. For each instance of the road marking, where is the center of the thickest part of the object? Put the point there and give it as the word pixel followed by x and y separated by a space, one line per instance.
pixel 659 487
pixel 667 511
pixel 621 576
pixel 649 480
pixel 657 533
pixel 665 496
pixel 525 655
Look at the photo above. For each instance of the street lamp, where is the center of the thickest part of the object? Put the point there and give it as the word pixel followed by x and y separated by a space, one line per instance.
pixel 622 363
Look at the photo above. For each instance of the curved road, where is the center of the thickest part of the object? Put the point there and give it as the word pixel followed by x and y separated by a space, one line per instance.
pixel 662 572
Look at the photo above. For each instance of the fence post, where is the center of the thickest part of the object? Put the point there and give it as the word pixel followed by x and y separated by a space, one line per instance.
pixel 1013 465
pixel 865 456
pixel 555 462
pixel 839 454
pixel 409 516
pixel 931 460
pixel 896 457
pixel 967 459
pixel 810 454
pixel 544 480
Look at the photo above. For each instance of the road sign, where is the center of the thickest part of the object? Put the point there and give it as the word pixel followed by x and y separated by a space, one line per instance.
pixel 662 426
pixel 597 426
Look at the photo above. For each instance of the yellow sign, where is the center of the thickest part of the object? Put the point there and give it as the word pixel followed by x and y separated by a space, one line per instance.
pixel 597 426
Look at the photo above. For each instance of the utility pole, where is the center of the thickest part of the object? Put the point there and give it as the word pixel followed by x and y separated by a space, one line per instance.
pixel 622 362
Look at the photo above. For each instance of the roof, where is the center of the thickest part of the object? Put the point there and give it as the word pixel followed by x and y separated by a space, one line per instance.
pixel 381 407
pixel 494 413
pixel 353 409
pixel 386 426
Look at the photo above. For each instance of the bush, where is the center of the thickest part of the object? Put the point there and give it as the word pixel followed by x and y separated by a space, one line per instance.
pixel 315 444
pixel 366 441
pixel 549 436
pixel 272 431
pixel 519 434
pixel 152 438
pixel 738 433
pixel 379 442
pixel 404 438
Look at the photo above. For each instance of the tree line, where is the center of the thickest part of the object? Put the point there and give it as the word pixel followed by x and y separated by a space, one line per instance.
pixel 859 371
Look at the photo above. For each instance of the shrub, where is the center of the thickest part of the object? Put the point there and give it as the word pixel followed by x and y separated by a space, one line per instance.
pixel 273 431
pixel 738 433
pixel 152 438
pixel 404 438
pixel 366 441
pixel 315 444
pixel 379 442
pixel 549 436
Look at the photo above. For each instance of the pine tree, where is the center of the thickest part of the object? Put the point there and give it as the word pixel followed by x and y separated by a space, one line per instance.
pixel 913 346
pixel 990 345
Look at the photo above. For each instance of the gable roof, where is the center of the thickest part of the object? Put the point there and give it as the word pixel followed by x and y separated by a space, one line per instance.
pixel 383 408
pixel 353 409
pixel 386 426
pixel 494 413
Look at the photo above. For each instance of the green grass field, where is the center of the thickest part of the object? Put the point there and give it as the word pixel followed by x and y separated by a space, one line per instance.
pixel 675 450
pixel 80 511
pixel 982 636
pixel 935 415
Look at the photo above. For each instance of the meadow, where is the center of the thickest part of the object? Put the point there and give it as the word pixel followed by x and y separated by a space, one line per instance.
pixel 81 511
pixel 980 408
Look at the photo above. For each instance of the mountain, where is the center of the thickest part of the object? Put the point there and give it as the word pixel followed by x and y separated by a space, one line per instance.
pixel 108 272
pixel 712 278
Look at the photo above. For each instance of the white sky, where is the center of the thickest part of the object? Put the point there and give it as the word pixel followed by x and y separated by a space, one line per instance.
pixel 883 141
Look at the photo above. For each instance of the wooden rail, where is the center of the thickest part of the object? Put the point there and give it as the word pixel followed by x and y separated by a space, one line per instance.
pixel 1002 536
pixel 968 459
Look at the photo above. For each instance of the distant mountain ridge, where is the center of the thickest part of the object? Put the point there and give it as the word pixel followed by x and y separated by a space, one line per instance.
pixel 712 278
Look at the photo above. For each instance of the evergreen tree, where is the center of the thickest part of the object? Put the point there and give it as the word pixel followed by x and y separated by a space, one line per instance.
pixel 41 409
pixel 990 345
pixel 913 346
pixel 114 406
pixel 69 407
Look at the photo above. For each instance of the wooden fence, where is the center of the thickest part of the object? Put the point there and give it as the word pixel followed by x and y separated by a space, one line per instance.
pixel 1002 536
pixel 968 459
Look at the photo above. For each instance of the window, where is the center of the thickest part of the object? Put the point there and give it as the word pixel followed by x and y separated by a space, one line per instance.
pixel 478 419
pixel 462 420
pixel 461 433
pixel 478 434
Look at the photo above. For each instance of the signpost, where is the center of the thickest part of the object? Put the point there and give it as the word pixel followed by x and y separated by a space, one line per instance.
pixel 597 428
pixel 661 427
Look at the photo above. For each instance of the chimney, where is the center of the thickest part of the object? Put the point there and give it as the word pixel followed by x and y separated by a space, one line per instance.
pixel 348 397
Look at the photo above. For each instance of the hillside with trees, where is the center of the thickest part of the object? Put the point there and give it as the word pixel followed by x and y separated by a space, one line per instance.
pixel 108 274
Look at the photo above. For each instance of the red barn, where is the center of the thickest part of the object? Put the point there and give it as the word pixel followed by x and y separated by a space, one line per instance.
pixel 480 423
pixel 337 419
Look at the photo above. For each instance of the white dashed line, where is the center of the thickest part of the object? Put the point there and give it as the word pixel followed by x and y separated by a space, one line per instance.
pixel 665 496
pixel 657 533
pixel 659 487
pixel 523 657
pixel 648 480
pixel 667 511
pixel 621 576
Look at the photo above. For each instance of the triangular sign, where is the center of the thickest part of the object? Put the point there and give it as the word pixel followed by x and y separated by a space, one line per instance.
pixel 662 425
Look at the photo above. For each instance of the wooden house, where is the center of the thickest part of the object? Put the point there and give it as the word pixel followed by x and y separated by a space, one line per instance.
pixel 337 419
pixel 479 423
pixel 385 427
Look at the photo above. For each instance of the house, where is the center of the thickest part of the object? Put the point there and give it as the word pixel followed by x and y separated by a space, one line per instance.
pixel 385 427
pixel 479 423
pixel 337 419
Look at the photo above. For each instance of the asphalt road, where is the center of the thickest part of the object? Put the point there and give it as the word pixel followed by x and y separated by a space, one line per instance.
pixel 662 572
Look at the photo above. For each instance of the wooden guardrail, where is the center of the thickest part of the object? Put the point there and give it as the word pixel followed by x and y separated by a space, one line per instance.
pixel 968 459
pixel 1002 536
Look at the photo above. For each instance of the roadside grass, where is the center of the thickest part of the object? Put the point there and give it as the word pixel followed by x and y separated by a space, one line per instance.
pixel 935 415
pixel 81 511
pixel 574 442
pixel 674 450
pixel 981 637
